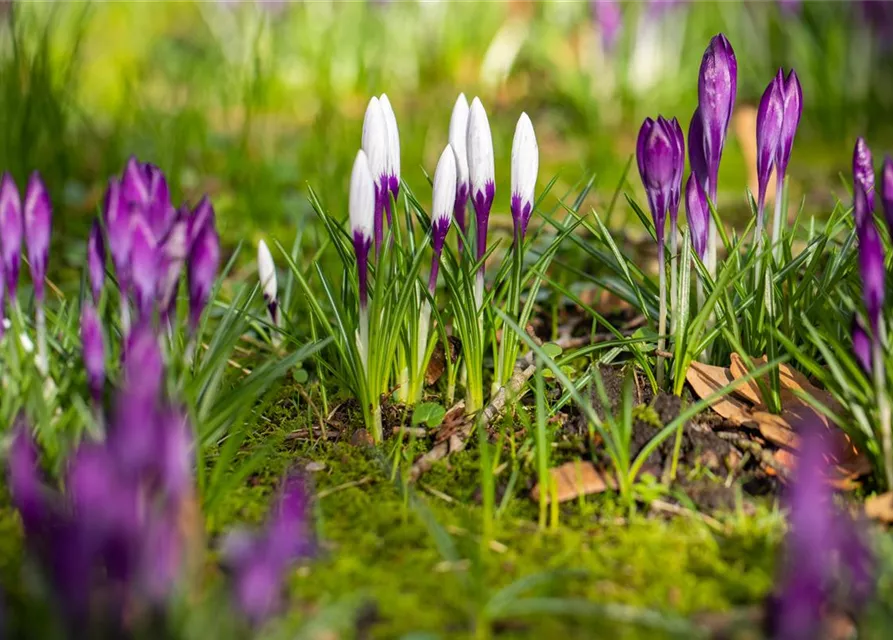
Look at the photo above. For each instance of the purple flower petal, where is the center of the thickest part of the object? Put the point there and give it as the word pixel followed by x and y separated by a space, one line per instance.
pixel 717 89
pixel 863 176
pixel 96 261
pixel 770 121
pixel 38 221
pixel 10 233
pixel 93 351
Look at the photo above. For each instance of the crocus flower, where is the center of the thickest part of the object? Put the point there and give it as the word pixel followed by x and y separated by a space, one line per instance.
pixel 887 192
pixel 93 351
pixel 362 208
pixel 609 19
pixel 863 177
pixel 793 110
pixel 117 226
pixel 823 550
pixel 96 261
pixel 698 213
pixel 38 219
pixel 871 267
pixel 160 213
pixel 717 89
pixel 375 146
pixel 861 343
pixel 266 270
pixel 393 152
pixel 679 165
pixel 172 256
pixel 144 264
pixel 458 141
pixel 696 157
pixel 482 175
pixel 525 165
pixel 202 217
pixel 135 184
pixel 656 155
pixel 442 207
pixel 259 561
pixel 10 233
pixel 770 122
pixel 202 265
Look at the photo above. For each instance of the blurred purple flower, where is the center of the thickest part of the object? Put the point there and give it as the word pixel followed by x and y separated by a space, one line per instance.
pixel 202 266
pixel 93 351
pixel 10 233
pixel 887 192
pixel 863 178
pixel 144 266
pixel 608 17
pixel 173 252
pixel 717 89
pixel 259 561
pixel 861 344
pixel 873 271
pixel 38 221
pixel 96 261
pixel 117 226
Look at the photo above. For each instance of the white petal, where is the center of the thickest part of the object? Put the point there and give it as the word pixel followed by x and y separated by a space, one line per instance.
pixel 375 139
pixel 393 136
pixel 362 197
pixel 525 160
pixel 480 148
pixel 444 186
pixel 266 270
pixel 458 136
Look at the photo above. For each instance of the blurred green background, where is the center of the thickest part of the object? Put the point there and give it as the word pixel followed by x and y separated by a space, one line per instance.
pixel 254 101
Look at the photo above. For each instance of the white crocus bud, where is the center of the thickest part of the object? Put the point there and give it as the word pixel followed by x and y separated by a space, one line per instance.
pixel 525 165
pixel 458 138
pixel 375 144
pixel 444 196
pixel 266 270
pixel 482 175
pixel 393 134
pixel 361 208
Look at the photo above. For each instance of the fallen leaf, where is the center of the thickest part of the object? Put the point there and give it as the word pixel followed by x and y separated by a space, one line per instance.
pixel 775 429
pixel 750 389
pixel 880 507
pixel 574 479
pixel 706 380
pixel 437 363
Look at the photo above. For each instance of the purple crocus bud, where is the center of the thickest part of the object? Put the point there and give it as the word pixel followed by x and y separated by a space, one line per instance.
pixel 717 89
pixel 793 109
pixel 362 208
pixel 266 270
pixel 375 146
pixel 656 157
pixel 525 166
pixel 96 261
pixel 482 173
pixel 173 255
pixel 459 143
pixel 117 226
pixel 143 365
pixel 863 176
pixel 887 192
pixel 10 233
pixel 202 217
pixel 393 151
pixel 698 213
pixel 770 122
pixel 28 492
pixel 202 266
pixel 871 267
pixel 144 264
pixel 288 530
pixel 38 220
pixel 609 19
pixel 679 168
pixel 159 212
pixel 861 344
pixel 93 351
pixel 442 207
pixel 696 157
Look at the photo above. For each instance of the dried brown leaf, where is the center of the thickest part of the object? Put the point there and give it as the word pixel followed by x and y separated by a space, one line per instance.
pixel 880 507
pixel 750 389
pixel 574 479
pixel 706 380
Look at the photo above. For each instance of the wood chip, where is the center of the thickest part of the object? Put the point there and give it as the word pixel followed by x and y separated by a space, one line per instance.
pixel 880 508
pixel 574 479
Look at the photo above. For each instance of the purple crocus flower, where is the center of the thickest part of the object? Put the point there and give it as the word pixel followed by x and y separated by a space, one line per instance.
pixel 482 174
pixel 871 267
pixel 657 158
pixel 442 208
pixel 93 351
pixel 770 122
pixel 678 139
pixel 202 217
pixel 525 165
pixel 38 220
pixel 10 233
pixel 160 213
pixel 793 110
pixel 698 213
pixel 458 138
pixel 863 177
pixel 259 562
pixel 144 266
pixel 696 158
pixel 887 192
pixel 717 89
pixel 202 266
pixel 117 226
pixel 172 256
pixel 135 184
pixel 96 261
pixel 822 550
pixel 609 19
pixel 861 344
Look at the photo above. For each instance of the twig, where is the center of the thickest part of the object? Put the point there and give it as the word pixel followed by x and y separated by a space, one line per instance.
pixel 342 487
pixel 457 440
pixel 678 510
pixel 418 432
pixel 758 451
